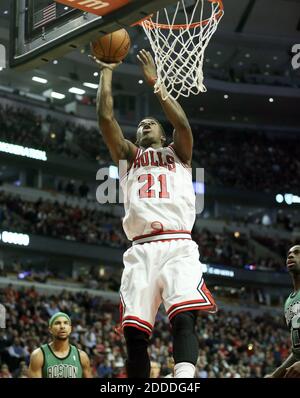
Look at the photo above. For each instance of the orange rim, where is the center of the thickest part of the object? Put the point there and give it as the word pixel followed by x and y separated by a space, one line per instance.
pixel 152 25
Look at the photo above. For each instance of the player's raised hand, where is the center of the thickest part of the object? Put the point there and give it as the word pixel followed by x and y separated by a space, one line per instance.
pixel 148 65
pixel 104 65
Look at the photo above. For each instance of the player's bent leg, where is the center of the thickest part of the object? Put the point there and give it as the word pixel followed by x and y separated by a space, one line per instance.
pixel 138 362
pixel 185 344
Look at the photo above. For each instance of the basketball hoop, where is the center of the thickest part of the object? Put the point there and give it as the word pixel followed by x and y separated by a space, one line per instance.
pixel 179 42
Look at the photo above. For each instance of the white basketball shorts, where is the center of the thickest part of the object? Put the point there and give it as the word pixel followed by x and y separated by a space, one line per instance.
pixel 167 272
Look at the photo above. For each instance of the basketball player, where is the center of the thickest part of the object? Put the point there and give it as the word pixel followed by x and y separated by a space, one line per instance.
pixel 163 263
pixel 291 366
pixel 59 359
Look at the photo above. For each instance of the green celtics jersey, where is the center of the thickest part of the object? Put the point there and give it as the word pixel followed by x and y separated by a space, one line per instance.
pixel 292 317
pixel 58 368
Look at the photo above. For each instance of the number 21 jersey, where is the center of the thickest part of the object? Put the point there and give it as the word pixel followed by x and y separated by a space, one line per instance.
pixel 158 194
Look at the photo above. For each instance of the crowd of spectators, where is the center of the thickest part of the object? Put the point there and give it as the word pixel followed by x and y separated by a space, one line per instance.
pixel 232 344
pixel 248 160
pixel 237 250
pixel 279 246
pixel 103 277
pixel 27 128
pixel 270 218
pixel 252 73
pixel 244 160
pixel 247 71
pixel 76 224
pixel 70 187
pixel 60 221
pixel 89 226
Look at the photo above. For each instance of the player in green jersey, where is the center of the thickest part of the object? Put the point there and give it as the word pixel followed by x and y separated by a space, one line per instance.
pixel 291 366
pixel 59 359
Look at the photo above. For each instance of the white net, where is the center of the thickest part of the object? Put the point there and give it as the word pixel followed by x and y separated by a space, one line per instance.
pixel 179 44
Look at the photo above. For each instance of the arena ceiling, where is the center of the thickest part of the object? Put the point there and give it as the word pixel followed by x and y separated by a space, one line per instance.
pixel 253 33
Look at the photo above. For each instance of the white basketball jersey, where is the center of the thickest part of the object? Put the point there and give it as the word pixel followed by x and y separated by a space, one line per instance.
pixel 158 194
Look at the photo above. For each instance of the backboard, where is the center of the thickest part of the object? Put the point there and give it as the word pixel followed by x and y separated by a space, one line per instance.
pixel 42 30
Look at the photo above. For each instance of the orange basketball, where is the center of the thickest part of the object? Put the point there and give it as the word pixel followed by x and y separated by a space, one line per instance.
pixel 112 47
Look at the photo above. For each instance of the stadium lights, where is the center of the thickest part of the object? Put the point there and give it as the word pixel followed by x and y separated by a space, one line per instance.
pixel 96 74
pixel 15 238
pixel 39 80
pixel 279 198
pixel 288 198
pixel 23 151
pixel 271 99
pixel 91 85
pixel 226 96
pixel 141 81
pixel 56 95
pixel 22 275
pixel 217 271
pixel 75 90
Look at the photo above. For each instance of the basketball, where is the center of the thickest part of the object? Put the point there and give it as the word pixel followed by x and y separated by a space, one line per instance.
pixel 112 47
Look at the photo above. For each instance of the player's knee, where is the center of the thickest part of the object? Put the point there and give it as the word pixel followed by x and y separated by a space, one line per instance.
pixel 184 322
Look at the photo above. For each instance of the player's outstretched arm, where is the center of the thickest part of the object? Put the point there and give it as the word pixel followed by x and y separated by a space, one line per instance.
pixel 86 366
pixel 286 369
pixel 119 147
pixel 36 364
pixel 183 137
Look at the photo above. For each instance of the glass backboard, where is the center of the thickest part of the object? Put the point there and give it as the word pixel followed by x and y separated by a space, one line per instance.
pixel 42 30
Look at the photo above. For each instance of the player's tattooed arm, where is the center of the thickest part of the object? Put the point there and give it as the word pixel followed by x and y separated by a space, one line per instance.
pixel 86 366
pixel 36 364
pixel 182 137
pixel 283 369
